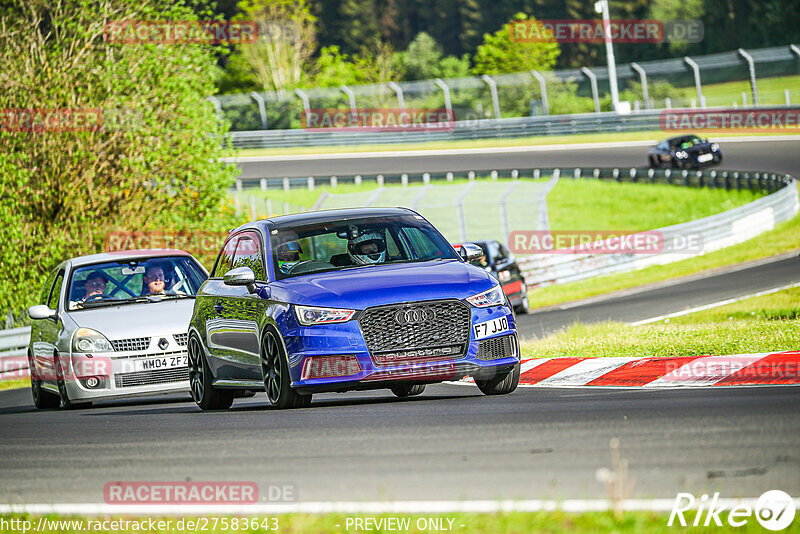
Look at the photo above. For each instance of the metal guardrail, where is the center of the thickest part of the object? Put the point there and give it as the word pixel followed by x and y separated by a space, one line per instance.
pixel 719 179
pixel 714 232
pixel 578 123
pixel 462 130
pixel 13 356
pixel 519 94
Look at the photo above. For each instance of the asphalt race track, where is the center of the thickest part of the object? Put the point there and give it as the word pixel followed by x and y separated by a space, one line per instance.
pixel 451 443
pixel 775 156
pixel 665 299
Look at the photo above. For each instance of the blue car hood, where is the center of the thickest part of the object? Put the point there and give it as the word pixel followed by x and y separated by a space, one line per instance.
pixel 362 287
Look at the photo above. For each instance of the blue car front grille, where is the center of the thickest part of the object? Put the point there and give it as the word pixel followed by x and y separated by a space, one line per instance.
pixel 411 327
pixel 496 348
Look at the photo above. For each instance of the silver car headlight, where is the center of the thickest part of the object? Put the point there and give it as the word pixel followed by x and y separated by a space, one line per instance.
pixel 492 297
pixel 88 340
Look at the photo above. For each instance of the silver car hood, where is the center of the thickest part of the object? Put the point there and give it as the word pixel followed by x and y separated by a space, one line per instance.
pixel 137 320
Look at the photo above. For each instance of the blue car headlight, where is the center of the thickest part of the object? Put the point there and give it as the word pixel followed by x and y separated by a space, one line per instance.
pixel 714 147
pixel 312 315
pixel 682 154
pixel 492 297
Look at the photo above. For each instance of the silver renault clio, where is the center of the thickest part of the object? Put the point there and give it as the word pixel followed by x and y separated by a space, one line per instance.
pixel 113 325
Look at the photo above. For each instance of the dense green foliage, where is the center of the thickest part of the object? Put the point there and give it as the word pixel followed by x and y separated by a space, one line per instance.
pixel 459 25
pixel 356 42
pixel 152 165
pixel 500 54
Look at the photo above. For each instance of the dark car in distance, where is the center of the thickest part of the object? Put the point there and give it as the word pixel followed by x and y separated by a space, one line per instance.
pixel 684 152
pixel 341 300
pixel 501 264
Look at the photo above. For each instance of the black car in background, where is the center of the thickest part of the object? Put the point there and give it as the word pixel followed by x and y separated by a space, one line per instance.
pixel 684 152
pixel 500 263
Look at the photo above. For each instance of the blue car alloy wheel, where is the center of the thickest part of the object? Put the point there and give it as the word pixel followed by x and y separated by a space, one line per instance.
pixel 347 300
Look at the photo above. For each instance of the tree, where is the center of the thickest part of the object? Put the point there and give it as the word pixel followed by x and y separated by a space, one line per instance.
pixel 422 57
pixel 148 158
pixel 375 64
pixel 499 53
pixel 667 10
pixel 333 69
pixel 378 63
pixel 286 41
pixel 424 60
pixel 358 24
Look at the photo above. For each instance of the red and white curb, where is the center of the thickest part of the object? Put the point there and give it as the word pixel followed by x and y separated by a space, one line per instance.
pixel 781 368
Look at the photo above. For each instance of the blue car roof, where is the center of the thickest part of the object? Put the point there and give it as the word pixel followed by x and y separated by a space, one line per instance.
pixel 323 216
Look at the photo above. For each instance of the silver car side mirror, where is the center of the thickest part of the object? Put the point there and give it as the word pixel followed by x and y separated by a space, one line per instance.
pixel 470 251
pixel 41 311
pixel 241 276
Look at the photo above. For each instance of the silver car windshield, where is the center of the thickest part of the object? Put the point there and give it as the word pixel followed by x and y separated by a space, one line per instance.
pixel 130 281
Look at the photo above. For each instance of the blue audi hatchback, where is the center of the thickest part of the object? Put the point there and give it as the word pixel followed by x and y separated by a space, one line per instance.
pixel 342 300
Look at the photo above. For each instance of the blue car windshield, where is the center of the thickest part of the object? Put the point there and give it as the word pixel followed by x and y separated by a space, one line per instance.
pixel 130 281
pixel 332 246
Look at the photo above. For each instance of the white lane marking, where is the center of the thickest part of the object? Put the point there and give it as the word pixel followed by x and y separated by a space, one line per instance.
pixel 715 304
pixel 485 150
pixel 716 271
pixel 584 372
pixel 382 507
pixel 706 371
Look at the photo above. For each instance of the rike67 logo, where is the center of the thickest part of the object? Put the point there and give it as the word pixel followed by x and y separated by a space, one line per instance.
pixel 774 510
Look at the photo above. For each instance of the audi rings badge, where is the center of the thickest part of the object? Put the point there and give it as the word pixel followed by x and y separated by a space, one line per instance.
pixel 414 316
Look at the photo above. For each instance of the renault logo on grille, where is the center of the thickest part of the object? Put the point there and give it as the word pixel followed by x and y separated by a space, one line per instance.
pixel 414 316
pixel 163 344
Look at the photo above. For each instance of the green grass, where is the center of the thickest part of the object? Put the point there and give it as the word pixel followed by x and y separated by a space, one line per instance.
pixel 770 91
pixel 780 306
pixel 595 205
pixel 761 324
pixel 16 383
pixel 783 238
pixel 572 204
pixel 510 523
